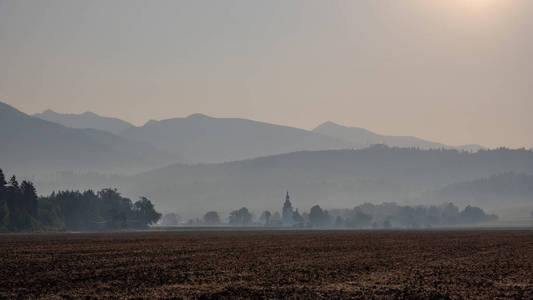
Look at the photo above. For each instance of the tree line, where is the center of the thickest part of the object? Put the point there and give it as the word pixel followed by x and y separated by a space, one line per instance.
pixel 365 216
pixel 392 215
pixel 22 210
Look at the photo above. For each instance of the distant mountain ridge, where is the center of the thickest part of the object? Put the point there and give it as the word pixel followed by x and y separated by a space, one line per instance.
pixel 248 163
pixel 203 139
pixel 85 120
pixel 199 138
pixel 35 145
pixel 361 138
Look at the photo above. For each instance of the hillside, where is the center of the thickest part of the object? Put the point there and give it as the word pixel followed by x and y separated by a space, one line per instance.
pixel 85 120
pixel 31 146
pixel 360 138
pixel 335 178
pixel 497 190
pixel 200 138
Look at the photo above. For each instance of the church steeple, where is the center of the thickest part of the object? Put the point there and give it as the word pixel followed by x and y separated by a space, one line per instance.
pixel 287 212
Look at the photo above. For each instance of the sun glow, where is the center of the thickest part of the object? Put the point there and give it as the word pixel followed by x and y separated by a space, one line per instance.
pixel 473 10
pixel 481 6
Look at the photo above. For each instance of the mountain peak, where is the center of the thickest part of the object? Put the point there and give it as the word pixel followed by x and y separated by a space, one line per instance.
pixel 328 124
pixel 361 137
pixel 90 114
pixel 198 116
pixel 151 122
pixel 6 108
pixel 49 111
pixel 85 120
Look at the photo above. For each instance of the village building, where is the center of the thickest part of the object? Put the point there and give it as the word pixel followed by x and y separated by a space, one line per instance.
pixel 287 217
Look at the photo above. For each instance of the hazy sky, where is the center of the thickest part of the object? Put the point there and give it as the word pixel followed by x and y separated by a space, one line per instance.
pixel 454 71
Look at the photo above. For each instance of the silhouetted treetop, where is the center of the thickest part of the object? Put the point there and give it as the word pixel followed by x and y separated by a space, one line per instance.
pixel 240 217
pixel 13 182
pixel 211 218
pixel 22 210
pixel 2 179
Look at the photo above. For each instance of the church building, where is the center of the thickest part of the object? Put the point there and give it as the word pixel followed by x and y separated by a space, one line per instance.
pixel 287 217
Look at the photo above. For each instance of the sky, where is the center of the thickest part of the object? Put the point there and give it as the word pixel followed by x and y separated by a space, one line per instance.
pixel 452 71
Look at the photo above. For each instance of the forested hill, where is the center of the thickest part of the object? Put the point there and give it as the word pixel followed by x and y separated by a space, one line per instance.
pixel 338 178
pixel 498 189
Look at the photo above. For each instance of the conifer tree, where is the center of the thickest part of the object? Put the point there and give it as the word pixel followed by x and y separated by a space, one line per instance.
pixel 13 182
pixel 2 179
pixel 29 197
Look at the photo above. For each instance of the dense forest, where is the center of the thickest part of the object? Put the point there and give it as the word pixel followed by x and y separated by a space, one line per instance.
pixel 22 210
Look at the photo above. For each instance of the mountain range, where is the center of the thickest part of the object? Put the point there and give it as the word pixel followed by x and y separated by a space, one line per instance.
pixel 199 162
pixel 30 145
pixel 85 120
pixel 202 139
pixel 361 138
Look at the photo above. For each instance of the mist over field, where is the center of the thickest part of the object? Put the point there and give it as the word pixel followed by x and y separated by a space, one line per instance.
pixel 191 166
pixel 204 106
pixel 266 149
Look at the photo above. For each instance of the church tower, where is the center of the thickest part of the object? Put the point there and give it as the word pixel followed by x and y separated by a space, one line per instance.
pixel 287 213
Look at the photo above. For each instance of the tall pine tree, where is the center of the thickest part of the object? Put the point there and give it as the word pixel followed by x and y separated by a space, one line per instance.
pixel 29 197
pixel 2 179
pixel 4 210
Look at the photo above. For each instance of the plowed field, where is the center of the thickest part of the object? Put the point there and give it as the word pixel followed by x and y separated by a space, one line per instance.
pixel 269 264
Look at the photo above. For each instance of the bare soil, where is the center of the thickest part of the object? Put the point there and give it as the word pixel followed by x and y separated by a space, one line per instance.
pixel 269 264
